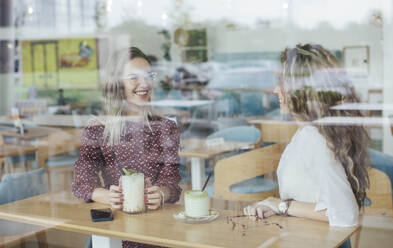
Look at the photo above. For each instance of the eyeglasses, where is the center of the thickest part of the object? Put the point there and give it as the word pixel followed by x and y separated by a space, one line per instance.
pixel 150 76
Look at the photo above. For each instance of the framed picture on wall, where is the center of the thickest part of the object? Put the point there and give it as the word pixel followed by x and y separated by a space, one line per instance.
pixel 193 44
pixel 195 55
pixel 356 60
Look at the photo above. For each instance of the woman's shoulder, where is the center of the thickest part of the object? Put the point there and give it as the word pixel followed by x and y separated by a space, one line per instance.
pixel 163 121
pixel 309 138
pixel 310 132
pixel 95 127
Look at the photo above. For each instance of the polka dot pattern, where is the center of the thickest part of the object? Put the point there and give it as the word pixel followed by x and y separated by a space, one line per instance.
pixel 153 152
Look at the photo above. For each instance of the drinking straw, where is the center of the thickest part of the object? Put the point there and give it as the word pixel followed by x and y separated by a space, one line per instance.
pixel 118 164
pixel 207 180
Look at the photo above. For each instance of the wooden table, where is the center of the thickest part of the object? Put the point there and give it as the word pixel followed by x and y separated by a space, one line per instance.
pixel 376 229
pixel 61 211
pixel 11 236
pixel 32 133
pixel 197 150
pixel 7 150
pixel 77 121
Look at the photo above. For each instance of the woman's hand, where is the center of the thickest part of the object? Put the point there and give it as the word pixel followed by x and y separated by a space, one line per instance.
pixel 116 196
pixel 153 197
pixel 262 209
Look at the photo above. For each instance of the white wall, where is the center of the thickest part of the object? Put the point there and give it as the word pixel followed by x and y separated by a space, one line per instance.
pixel 275 40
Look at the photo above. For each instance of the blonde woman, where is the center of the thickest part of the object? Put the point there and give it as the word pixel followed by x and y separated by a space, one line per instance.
pixel 322 173
pixel 139 140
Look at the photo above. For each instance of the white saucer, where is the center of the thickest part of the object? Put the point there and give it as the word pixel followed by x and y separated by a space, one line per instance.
pixel 213 214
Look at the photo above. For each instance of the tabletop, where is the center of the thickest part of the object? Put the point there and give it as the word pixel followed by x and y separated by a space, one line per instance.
pixel 32 133
pixel 199 149
pixel 61 210
pixel 7 150
pixel 10 236
pixel 61 120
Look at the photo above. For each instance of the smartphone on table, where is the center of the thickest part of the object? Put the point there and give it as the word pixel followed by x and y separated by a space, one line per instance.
pixel 104 214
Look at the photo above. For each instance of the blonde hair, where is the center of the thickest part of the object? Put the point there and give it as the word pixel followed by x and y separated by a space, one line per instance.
pixel 313 82
pixel 115 104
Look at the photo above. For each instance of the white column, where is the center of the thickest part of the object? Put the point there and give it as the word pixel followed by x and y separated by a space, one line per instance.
pixel 105 242
pixel 7 37
pixel 388 72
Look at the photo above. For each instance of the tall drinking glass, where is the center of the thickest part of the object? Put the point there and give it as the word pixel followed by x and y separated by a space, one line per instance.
pixel 133 191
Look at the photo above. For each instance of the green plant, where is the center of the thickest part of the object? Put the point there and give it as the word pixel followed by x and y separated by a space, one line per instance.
pixel 129 172
pixel 166 46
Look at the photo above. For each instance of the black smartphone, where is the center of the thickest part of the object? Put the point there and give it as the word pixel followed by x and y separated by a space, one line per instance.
pixel 101 214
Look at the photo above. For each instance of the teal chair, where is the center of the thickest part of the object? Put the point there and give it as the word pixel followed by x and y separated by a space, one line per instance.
pixel 238 133
pixel 227 122
pixel 19 186
pixel 251 103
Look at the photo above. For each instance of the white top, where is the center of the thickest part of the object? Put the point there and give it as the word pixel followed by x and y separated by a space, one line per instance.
pixel 309 172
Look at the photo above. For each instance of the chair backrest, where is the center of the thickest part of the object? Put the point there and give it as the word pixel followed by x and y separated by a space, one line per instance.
pixel 380 191
pixel 278 132
pixel 18 186
pixel 238 168
pixel 227 122
pixel 60 143
pixel 251 103
pixel 240 133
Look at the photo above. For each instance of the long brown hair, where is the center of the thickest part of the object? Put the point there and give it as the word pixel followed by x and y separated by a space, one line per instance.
pixel 313 83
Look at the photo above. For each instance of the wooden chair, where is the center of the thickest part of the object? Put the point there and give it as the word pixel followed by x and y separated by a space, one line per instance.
pixel 7 163
pixel 54 154
pixel 379 196
pixel 277 131
pixel 238 168
pixel 380 191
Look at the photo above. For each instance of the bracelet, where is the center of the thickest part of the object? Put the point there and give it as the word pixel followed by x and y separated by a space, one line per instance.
pixel 288 201
pixel 163 197
pixel 283 207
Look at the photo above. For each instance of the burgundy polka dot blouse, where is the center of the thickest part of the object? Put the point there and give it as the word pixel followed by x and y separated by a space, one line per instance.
pixel 151 152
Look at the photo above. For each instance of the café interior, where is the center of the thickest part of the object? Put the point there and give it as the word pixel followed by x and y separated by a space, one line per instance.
pixel 214 68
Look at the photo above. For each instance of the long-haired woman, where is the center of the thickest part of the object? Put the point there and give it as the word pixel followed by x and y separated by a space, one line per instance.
pixel 130 135
pixel 322 173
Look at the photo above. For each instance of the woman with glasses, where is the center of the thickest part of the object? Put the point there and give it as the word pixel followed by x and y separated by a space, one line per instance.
pixel 322 173
pixel 130 136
